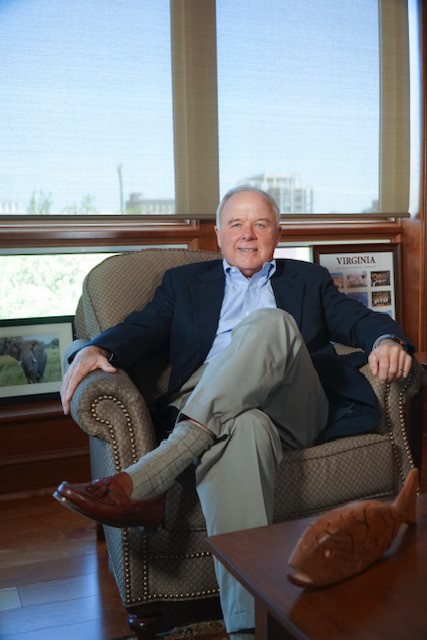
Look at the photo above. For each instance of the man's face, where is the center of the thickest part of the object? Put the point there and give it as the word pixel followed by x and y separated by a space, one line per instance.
pixel 249 232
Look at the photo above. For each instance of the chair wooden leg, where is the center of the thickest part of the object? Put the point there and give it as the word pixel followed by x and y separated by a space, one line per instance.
pixel 100 535
pixel 149 619
pixel 145 627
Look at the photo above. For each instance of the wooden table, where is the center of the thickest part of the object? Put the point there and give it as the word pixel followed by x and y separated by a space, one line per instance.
pixel 388 601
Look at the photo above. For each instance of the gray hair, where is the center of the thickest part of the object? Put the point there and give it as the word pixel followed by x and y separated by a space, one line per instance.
pixel 266 196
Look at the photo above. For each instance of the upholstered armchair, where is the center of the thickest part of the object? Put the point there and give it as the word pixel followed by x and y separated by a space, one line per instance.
pixel 154 573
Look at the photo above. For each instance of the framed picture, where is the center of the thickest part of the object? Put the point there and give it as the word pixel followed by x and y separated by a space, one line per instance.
pixel 368 273
pixel 32 353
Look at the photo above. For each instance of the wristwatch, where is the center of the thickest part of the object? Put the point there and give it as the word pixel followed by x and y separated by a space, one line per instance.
pixel 390 336
pixel 111 357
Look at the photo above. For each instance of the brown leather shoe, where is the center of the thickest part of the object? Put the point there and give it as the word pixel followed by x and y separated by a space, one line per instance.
pixel 107 501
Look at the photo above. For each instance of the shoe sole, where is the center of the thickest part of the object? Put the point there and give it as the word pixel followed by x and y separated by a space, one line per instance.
pixel 148 529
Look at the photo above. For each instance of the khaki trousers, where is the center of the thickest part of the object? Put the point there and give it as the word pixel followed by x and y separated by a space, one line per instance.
pixel 260 395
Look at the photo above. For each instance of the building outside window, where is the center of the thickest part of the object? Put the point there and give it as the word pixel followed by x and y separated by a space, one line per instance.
pixel 290 195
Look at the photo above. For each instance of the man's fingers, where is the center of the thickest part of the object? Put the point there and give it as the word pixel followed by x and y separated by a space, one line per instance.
pixel 87 360
pixel 389 362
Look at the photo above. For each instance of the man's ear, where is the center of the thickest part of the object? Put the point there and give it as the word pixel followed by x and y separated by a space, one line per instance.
pixel 218 236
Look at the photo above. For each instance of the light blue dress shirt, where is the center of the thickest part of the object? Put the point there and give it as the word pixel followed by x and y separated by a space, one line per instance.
pixel 242 296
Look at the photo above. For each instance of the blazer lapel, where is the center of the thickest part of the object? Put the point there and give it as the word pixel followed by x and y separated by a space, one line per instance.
pixel 207 294
pixel 288 290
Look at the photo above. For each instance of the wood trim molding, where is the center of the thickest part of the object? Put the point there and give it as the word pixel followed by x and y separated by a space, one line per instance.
pixel 195 108
pixel 40 448
pixel 54 231
pixel 80 231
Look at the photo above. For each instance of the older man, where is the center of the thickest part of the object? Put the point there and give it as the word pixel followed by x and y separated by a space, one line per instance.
pixel 253 372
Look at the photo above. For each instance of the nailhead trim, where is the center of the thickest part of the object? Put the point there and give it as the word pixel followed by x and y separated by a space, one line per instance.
pixel 402 421
pixel 94 408
pixel 125 532
pixel 118 466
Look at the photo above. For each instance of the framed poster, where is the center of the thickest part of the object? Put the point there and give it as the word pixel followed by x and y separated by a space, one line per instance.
pixel 32 353
pixel 367 273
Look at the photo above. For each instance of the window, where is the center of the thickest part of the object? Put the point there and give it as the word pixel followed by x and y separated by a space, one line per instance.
pixel 299 100
pixel 85 106
pixel 43 285
pixel 313 102
pixel 50 284
pixel 307 99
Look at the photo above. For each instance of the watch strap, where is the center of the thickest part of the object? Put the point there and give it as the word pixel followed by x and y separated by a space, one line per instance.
pixel 391 336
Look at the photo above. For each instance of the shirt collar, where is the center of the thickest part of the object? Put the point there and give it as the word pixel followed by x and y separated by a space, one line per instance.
pixel 263 275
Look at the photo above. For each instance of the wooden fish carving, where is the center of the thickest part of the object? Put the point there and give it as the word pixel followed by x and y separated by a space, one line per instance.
pixel 345 541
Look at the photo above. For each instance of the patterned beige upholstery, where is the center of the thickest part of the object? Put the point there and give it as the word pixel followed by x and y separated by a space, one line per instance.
pixel 174 563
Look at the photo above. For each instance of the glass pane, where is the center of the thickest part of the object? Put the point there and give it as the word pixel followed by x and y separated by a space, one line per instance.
pixel 295 252
pixel 85 106
pixel 50 284
pixel 298 90
pixel 40 286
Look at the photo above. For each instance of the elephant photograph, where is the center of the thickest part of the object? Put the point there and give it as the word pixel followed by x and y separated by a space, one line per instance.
pixel 31 357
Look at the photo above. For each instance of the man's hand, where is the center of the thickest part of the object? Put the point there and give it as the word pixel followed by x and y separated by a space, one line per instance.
pixel 389 361
pixel 87 360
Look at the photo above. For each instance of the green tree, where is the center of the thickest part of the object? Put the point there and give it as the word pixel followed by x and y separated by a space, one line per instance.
pixel 41 204
pixel 86 206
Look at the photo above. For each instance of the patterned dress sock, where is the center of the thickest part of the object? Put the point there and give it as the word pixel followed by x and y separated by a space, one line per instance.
pixel 155 472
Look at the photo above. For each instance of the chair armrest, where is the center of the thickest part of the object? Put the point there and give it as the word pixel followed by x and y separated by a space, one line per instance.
pixel 397 391
pixel 391 395
pixel 392 399
pixel 109 407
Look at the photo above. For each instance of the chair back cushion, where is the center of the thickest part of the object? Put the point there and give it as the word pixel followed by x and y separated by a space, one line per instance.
pixel 124 283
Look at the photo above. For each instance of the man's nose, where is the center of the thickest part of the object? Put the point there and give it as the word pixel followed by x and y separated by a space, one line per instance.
pixel 249 231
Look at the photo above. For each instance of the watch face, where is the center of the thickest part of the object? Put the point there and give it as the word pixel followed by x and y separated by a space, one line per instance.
pixel 399 341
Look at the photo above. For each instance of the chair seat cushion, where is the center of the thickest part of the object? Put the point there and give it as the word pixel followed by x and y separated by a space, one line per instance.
pixel 322 477
pixel 308 481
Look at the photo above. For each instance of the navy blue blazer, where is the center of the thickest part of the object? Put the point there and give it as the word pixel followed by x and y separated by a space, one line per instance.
pixel 183 317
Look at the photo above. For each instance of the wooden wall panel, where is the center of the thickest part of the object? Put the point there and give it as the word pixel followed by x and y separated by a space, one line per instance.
pixel 412 285
pixel 40 448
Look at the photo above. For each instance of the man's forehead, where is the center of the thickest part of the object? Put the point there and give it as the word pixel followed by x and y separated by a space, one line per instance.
pixel 247 199
pixel 238 207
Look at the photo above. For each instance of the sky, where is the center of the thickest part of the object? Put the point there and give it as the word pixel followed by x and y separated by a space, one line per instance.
pixel 85 88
